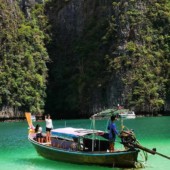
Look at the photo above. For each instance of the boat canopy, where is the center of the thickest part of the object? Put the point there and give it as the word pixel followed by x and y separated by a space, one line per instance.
pixel 74 132
pixel 108 113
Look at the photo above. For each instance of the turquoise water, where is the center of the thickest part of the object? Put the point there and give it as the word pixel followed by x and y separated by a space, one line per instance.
pixel 16 153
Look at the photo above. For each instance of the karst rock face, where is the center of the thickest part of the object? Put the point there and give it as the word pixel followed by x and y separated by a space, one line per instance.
pixel 73 21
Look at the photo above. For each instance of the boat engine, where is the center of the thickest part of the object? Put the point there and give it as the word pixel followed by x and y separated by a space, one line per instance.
pixel 128 138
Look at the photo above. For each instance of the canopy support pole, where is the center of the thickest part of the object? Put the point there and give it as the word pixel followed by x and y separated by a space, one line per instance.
pixel 93 122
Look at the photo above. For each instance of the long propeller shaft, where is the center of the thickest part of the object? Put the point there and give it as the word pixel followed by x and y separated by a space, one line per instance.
pixel 150 151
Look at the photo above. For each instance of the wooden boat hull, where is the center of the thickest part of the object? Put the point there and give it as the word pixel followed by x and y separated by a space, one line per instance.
pixel 116 159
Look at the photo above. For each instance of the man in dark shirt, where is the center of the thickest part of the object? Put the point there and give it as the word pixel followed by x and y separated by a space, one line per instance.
pixel 112 132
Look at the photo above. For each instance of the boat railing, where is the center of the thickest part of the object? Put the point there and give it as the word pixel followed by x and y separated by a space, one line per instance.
pixel 85 145
pixel 64 144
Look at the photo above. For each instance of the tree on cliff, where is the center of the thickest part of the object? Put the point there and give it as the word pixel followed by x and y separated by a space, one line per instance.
pixel 23 58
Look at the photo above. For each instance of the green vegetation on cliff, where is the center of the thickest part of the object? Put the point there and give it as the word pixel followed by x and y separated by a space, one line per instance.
pixel 23 60
pixel 101 53
pixel 142 63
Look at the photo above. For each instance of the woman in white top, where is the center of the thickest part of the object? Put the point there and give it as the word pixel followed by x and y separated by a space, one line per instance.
pixel 49 126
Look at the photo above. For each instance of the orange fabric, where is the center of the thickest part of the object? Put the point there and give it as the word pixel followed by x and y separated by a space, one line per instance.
pixel 28 117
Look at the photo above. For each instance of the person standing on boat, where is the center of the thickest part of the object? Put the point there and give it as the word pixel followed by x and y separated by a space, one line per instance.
pixel 119 107
pixel 38 131
pixel 49 126
pixel 112 132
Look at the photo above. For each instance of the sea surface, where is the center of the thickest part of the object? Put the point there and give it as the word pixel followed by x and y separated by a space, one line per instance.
pixel 16 153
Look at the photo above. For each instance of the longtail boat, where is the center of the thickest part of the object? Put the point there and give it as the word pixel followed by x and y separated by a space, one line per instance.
pixel 88 146
pixel 74 145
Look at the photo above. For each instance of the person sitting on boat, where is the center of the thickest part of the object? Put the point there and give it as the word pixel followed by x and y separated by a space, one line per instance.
pixel 112 132
pixel 49 127
pixel 38 131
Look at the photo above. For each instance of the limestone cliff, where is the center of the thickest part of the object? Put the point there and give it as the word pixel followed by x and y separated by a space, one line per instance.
pixel 102 52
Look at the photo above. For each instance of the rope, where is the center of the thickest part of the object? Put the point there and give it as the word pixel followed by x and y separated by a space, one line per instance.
pixel 144 153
